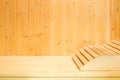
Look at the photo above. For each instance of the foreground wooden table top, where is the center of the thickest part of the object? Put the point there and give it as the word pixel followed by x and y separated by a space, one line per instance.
pixel 48 67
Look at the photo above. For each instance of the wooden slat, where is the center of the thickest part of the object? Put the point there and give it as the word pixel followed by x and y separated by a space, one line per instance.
pixel 114 45
pixel 81 57
pixel 93 48
pixel 111 48
pixel 91 52
pixel 114 48
pixel 106 49
pixel 87 55
pixel 116 42
pixel 102 50
pixel 77 61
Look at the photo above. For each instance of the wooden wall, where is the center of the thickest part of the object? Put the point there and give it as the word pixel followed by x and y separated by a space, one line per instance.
pixel 52 27
pixel 115 19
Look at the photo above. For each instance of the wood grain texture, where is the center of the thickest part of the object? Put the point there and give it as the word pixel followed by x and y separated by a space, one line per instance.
pixel 52 27
pixel 50 67
pixel 115 19
pixel 2 26
pixel 31 65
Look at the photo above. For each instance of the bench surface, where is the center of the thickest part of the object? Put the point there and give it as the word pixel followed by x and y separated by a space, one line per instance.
pixel 45 67
pixel 36 65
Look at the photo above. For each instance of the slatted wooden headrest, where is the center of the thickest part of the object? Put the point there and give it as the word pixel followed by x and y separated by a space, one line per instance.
pixel 88 58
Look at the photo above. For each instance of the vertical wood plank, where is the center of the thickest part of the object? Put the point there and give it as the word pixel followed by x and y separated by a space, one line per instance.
pixel 63 26
pixel 19 24
pixel 10 27
pixel 118 10
pixel 101 21
pixel 22 27
pixel 56 23
pixel 108 28
pixel 34 27
pixel 45 27
pixel 2 27
pixel 112 35
pixel 89 21
pixel 115 19
pixel 70 26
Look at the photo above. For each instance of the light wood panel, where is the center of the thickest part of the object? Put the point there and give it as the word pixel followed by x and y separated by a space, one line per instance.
pixel 2 25
pixel 22 39
pixel 10 25
pixel 115 19
pixel 52 27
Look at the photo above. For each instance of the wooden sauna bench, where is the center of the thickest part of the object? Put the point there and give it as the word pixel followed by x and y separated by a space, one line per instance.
pixel 98 62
